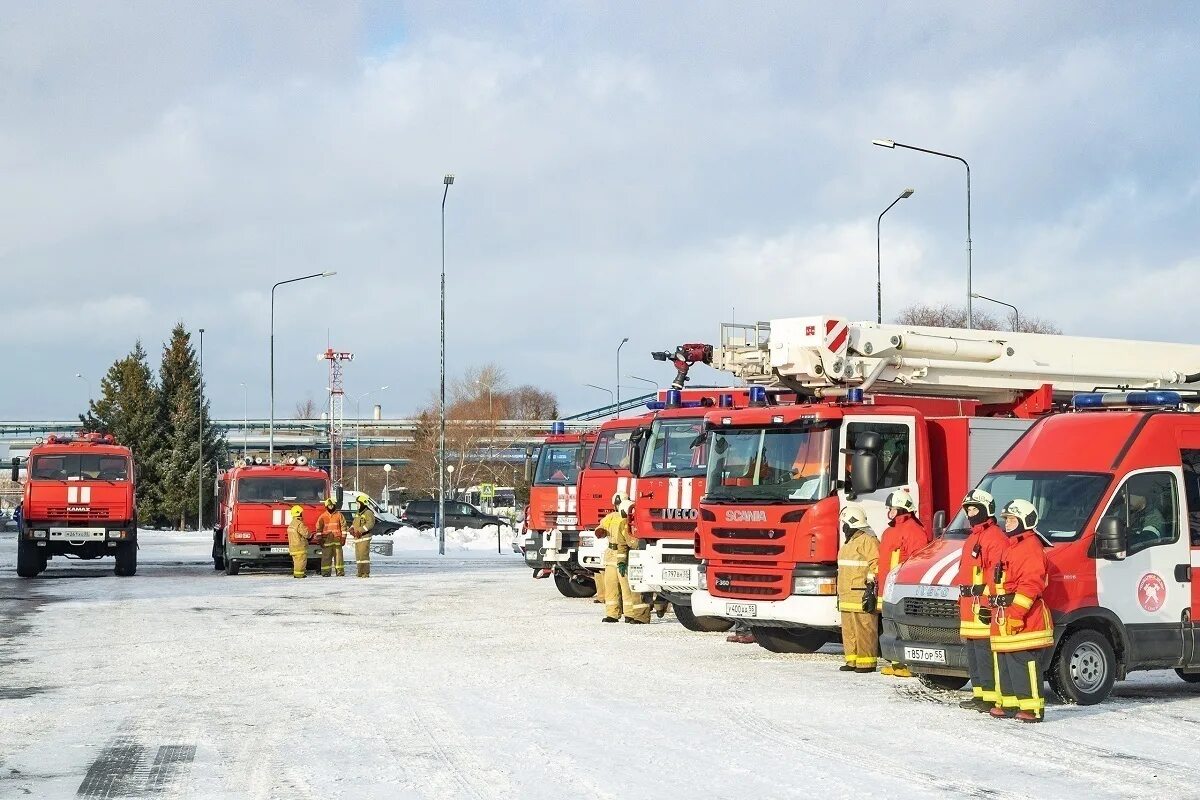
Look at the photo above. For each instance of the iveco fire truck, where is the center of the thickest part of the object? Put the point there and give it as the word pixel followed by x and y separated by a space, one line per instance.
pixel 78 502
pixel 254 509
pixel 552 517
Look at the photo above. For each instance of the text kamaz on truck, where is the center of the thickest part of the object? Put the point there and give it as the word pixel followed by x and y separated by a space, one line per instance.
pixel 79 503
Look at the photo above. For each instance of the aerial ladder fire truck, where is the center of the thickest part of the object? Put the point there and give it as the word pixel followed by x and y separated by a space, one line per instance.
pixel 883 407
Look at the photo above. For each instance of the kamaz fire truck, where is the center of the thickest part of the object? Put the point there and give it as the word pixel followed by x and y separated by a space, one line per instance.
pixel 254 509
pixel 552 517
pixel 78 502
pixel 928 409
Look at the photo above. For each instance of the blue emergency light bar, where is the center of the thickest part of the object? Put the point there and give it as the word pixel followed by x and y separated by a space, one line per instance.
pixel 558 428
pixel 726 401
pixel 674 398
pixel 758 395
pixel 1127 399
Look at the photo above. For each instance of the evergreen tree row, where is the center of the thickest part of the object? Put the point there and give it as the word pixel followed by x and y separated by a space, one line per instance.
pixel 158 417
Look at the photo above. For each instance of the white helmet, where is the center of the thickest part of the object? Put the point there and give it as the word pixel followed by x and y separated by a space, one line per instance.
pixel 978 497
pixel 854 517
pixel 617 499
pixel 1024 513
pixel 902 500
pixel 626 508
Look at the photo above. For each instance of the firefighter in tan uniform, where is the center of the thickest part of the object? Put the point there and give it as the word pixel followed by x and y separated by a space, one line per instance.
pixel 298 536
pixel 331 529
pixel 618 596
pixel 857 566
pixel 361 527
pixel 612 518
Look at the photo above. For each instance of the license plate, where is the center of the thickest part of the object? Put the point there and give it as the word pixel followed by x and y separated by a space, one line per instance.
pixel 741 609
pixel 277 550
pixel 926 654
pixel 684 575
pixel 76 534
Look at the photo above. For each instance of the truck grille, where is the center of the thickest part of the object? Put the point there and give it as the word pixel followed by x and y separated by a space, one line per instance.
pixel 938 609
pixel 679 558
pixel 673 526
pixel 92 512
pixel 927 634
pixel 743 584
pixel 748 533
pixel 748 549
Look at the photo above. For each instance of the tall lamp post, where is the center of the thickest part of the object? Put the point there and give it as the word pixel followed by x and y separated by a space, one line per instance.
pixel 618 402
pixel 271 432
pixel 387 473
pixel 200 466
pixel 611 396
pixel 645 380
pixel 447 182
pixel 245 420
pixel 907 193
pixel 892 145
pixel 1016 313
pixel 358 429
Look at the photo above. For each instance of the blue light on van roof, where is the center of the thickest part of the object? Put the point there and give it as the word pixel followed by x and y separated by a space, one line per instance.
pixel 726 401
pixel 758 395
pixel 656 405
pixel 1127 399
pixel 558 428
pixel 674 398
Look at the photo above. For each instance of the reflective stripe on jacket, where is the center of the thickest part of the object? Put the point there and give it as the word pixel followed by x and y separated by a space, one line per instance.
pixel 620 537
pixel 331 525
pixel 857 560
pixel 1024 575
pixel 980 554
pixel 903 537
pixel 364 521
pixel 298 534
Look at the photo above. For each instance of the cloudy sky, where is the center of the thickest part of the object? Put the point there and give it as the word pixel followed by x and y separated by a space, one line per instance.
pixel 641 172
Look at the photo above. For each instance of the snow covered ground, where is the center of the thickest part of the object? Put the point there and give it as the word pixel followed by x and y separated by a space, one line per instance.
pixel 460 676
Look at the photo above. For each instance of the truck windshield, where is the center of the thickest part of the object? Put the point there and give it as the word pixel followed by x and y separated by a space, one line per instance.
pixel 780 464
pixel 1064 500
pixel 670 452
pixel 80 467
pixel 281 490
pixel 611 450
pixel 558 465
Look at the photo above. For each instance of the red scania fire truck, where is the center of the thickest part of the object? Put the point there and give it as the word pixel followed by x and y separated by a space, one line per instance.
pixel 79 502
pixel 1116 483
pixel 552 516
pixel 254 509
pixel 944 405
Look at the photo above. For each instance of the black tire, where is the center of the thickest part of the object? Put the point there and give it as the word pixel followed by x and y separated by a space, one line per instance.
pixel 29 561
pixel 1084 668
pixel 232 566
pixel 1188 677
pixel 218 552
pixel 950 683
pixel 570 586
pixel 790 640
pixel 126 559
pixel 424 526
pixel 700 624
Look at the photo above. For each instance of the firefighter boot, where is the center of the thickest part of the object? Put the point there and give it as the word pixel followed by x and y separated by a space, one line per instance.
pixel 999 712
pixel 1028 716
pixel 846 668
pixel 901 671
pixel 977 704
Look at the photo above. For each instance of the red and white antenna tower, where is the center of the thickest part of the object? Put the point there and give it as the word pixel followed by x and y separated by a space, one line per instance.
pixel 337 397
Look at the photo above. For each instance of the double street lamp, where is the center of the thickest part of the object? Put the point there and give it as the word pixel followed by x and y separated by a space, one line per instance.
pixel 271 430
pixel 892 145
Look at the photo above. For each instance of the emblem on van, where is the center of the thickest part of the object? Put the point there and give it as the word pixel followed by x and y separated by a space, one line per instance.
pixel 679 513
pixel 745 515
pixel 1152 592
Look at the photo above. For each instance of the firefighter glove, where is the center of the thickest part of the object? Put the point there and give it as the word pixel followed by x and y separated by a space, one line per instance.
pixel 622 568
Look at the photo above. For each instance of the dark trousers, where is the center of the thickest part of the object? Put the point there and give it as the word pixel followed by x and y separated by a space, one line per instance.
pixel 1019 680
pixel 981 669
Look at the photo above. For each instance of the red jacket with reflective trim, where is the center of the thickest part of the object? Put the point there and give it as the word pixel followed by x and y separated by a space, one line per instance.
pixel 980 554
pixel 903 536
pixel 1025 623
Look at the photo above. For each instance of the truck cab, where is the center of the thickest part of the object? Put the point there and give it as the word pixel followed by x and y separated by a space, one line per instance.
pixel 254 502
pixel 609 469
pixel 78 502
pixel 552 519
pixel 1117 491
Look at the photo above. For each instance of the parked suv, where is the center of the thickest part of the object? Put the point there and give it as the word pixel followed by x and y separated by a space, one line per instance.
pixel 422 514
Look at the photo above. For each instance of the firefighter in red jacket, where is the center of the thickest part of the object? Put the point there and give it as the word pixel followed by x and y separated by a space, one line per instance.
pixel 980 554
pixel 904 536
pixel 1021 624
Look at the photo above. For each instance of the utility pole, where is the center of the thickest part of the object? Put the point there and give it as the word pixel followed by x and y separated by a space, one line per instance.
pixel 200 466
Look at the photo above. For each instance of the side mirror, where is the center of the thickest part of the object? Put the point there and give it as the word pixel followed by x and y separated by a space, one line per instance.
pixel 868 440
pixel 337 496
pixel 16 469
pixel 1112 539
pixel 939 524
pixel 864 472
pixel 699 440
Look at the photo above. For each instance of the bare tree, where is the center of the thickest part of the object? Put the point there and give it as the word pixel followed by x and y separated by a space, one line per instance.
pixel 306 409
pixel 951 316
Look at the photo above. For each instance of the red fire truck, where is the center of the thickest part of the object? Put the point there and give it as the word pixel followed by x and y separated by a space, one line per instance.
pixel 607 471
pixel 78 502
pixel 1117 488
pixel 552 516
pixel 254 509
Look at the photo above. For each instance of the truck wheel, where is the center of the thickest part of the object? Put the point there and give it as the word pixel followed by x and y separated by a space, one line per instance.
pixel 1084 668
pixel 950 683
pixel 1189 677
pixel 218 552
pixel 700 624
pixel 569 586
pixel 232 566
pixel 29 561
pixel 790 640
pixel 126 559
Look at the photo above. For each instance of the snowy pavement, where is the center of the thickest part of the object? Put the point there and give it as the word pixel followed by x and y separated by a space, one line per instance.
pixel 460 676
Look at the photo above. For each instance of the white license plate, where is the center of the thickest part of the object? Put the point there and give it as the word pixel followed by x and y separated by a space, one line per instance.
pixel 76 534
pixel 925 654
pixel 277 550
pixel 566 521
pixel 684 575
pixel 587 541
pixel 741 609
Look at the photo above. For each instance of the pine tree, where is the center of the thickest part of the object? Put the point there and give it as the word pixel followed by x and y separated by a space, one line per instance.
pixel 130 409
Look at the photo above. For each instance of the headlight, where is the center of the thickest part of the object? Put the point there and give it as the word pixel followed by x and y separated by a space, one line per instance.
pixel 889 587
pixel 814 586
pixel 116 534
pixel 39 534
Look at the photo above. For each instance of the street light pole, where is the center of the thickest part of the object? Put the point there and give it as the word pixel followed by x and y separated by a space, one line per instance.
pixel 618 402
pixel 447 182
pixel 1016 313
pixel 611 397
pixel 645 380
pixel 245 420
pixel 271 431
pixel 907 193
pixel 200 466
pixel 892 145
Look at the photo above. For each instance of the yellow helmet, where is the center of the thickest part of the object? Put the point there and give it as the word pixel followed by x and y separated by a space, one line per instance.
pixel 297 512
pixel 362 499
pixel 330 503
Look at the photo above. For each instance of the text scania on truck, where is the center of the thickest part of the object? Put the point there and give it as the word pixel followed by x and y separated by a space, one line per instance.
pixel 254 509
pixel 1116 484
pixel 78 502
